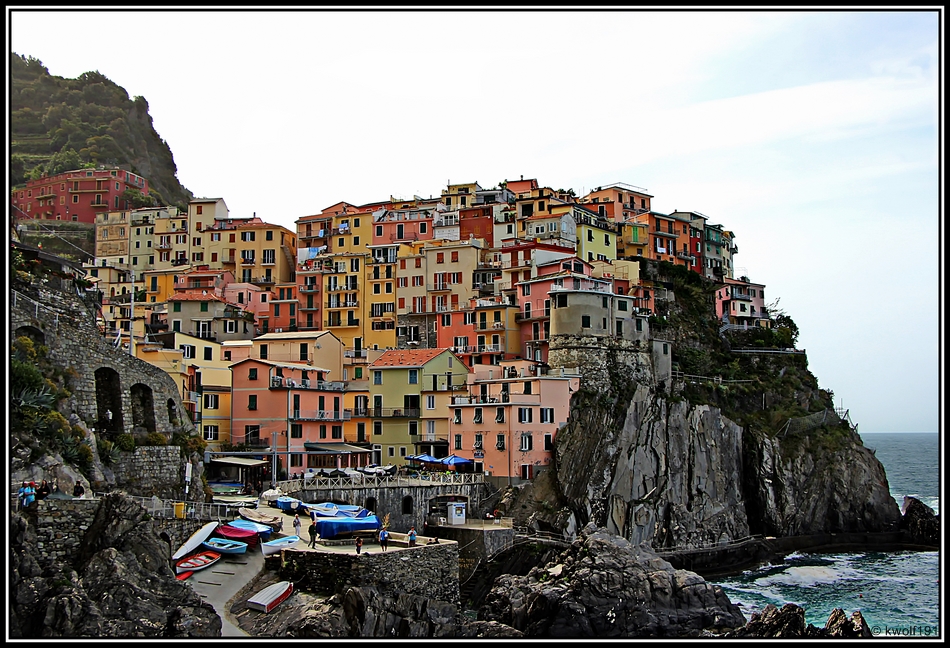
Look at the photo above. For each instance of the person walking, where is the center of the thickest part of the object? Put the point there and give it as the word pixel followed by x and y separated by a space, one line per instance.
pixel 412 536
pixel 383 539
pixel 359 544
pixel 297 525
pixel 21 494
pixel 313 535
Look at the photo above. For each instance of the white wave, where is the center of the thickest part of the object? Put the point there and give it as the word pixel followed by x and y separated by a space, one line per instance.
pixel 803 577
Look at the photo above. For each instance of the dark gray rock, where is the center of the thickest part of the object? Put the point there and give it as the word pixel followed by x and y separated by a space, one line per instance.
pixel 789 623
pixel 920 522
pixel 119 586
pixel 605 587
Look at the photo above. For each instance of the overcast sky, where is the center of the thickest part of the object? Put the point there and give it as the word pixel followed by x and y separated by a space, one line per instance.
pixel 811 135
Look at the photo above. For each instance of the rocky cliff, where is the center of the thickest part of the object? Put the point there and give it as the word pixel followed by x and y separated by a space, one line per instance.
pixel 117 583
pixel 660 470
pixel 680 460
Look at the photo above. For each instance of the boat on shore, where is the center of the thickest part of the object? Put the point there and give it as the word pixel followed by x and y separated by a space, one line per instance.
pixel 263 530
pixel 225 545
pixel 197 561
pixel 246 536
pixel 276 522
pixel 274 546
pixel 195 540
pixel 271 596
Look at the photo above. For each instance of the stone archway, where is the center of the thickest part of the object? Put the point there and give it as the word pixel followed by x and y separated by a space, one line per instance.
pixel 35 334
pixel 143 410
pixel 370 504
pixel 109 401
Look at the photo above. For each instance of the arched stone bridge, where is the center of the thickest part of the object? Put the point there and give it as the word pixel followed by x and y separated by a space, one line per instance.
pixel 140 396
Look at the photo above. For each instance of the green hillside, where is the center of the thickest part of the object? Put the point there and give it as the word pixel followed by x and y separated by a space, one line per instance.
pixel 59 124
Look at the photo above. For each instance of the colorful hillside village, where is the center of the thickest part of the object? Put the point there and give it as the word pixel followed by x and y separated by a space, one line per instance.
pixel 373 334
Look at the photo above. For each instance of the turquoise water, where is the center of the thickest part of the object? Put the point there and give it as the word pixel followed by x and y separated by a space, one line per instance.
pixel 895 592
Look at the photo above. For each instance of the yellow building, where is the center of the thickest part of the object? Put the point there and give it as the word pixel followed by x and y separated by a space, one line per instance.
pixel 460 195
pixel 397 383
pixel 596 236
pixel 633 240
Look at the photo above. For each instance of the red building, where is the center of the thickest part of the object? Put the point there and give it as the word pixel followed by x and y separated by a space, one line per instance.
pixel 77 195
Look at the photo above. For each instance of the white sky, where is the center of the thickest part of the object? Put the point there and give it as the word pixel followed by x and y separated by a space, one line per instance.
pixel 811 135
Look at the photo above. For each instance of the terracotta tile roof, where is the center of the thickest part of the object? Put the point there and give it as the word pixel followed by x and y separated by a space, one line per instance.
pixel 406 357
pixel 191 296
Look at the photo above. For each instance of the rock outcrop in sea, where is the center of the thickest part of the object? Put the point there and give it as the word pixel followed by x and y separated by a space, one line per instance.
pixel 788 622
pixel 605 587
pixel 920 522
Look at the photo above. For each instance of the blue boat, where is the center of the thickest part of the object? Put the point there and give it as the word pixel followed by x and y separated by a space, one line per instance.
pixel 262 529
pixel 225 546
pixel 288 504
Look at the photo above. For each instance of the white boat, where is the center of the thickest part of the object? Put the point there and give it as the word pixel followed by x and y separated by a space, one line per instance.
pixel 195 540
pixel 270 597
pixel 274 546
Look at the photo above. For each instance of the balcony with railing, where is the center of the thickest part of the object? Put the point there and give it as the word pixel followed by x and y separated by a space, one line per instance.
pixel 247 261
pixel 587 286
pixel 356 354
pixel 439 287
pixel 489 326
pixel 350 303
pixel 497 399
pixel 515 263
pixel 279 382
pixel 394 412
pixel 321 415
pixel 352 322
pixel 532 315
pixel 309 288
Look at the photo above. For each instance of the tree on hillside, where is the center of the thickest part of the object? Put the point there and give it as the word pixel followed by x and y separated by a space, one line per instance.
pixel 785 325
pixel 65 160
pixel 137 199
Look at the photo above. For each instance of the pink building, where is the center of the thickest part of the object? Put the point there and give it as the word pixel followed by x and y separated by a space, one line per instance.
pixel 741 302
pixel 291 410
pixel 509 419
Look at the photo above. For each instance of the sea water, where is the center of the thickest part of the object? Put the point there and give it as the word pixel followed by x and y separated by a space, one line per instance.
pixel 897 592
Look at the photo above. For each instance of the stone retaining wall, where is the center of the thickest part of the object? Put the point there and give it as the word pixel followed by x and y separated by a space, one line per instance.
pixel 153 470
pixel 430 571
pixel 61 526
pixel 390 499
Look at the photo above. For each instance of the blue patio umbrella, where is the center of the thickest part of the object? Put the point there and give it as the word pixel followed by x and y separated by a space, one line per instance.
pixel 454 460
pixel 425 458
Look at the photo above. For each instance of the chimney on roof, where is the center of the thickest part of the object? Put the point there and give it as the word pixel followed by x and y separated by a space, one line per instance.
pixel 522 176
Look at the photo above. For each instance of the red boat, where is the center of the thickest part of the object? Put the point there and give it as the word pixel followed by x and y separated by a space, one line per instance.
pixel 197 561
pixel 251 538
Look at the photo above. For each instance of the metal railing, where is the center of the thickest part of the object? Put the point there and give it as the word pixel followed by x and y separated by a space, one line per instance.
pixel 162 508
pixel 321 415
pixel 395 481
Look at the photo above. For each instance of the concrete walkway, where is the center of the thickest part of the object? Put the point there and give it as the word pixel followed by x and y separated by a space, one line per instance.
pixel 219 583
